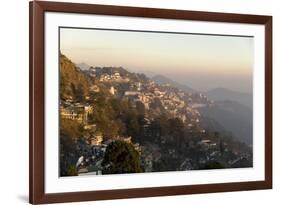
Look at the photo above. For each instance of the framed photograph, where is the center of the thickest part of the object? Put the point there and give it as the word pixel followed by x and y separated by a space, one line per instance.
pixel 139 102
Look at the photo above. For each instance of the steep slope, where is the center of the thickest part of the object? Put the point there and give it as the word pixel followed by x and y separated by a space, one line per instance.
pixel 73 83
pixel 222 94
pixel 232 116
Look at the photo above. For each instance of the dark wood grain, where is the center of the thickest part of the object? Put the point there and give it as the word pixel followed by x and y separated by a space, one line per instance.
pixel 268 102
pixel 36 127
pixel 152 12
pixel 36 108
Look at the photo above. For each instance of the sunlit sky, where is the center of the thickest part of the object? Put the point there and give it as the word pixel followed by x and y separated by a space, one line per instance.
pixel 202 62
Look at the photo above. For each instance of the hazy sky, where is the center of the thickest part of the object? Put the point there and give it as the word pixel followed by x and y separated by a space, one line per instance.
pixel 202 62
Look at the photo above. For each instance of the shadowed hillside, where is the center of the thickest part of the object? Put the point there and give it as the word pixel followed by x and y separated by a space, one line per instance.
pixel 73 83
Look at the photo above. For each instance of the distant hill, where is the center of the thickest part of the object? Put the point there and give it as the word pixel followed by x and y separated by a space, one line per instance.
pixel 160 79
pixel 232 117
pixel 83 66
pixel 223 94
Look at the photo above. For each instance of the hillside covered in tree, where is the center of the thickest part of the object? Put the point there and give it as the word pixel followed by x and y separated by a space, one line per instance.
pixel 73 82
pixel 116 121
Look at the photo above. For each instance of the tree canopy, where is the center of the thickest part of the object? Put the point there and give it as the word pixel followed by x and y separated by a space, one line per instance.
pixel 121 157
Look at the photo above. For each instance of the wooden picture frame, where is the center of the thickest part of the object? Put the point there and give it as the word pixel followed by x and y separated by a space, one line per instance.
pixel 37 10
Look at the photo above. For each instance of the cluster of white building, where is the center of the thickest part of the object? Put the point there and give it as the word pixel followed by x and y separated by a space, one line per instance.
pixel 171 100
pixel 115 77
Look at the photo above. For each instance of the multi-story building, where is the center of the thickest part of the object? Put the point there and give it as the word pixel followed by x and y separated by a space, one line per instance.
pixel 76 111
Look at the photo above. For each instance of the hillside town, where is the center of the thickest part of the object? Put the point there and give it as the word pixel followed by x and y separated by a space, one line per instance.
pixel 161 123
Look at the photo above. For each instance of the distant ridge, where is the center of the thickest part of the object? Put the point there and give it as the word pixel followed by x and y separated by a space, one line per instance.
pixel 83 66
pixel 160 79
pixel 223 94
pixel 232 116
